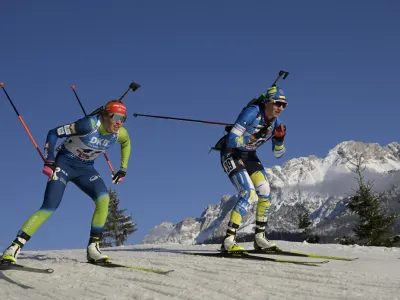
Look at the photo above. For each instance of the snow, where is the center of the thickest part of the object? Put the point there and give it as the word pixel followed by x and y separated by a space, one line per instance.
pixel 375 275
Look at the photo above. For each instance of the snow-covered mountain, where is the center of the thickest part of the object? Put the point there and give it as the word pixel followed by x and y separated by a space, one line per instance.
pixel 316 185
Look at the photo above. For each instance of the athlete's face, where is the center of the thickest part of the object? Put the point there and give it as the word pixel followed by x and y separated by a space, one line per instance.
pixel 114 122
pixel 274 108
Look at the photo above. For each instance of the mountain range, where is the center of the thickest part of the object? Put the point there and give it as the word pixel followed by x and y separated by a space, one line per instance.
pixel 319 186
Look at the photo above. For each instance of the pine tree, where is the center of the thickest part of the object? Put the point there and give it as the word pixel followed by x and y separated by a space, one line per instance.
pixel 118 226
pixel 304 223
pixel 374 225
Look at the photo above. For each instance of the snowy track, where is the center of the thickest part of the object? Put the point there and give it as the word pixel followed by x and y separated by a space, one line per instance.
pixel 375 275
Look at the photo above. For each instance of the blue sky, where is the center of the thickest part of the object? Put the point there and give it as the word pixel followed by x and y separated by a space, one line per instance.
pixel 194 59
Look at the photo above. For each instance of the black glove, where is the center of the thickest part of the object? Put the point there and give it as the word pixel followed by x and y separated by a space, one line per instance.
pixel 119 176
pixel 279 133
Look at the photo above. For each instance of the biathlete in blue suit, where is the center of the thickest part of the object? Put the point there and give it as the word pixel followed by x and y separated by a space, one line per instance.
pixel 255 125
pixel 85 140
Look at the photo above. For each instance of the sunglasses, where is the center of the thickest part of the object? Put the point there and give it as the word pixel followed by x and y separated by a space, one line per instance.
pixel 117 117
pixel 280 103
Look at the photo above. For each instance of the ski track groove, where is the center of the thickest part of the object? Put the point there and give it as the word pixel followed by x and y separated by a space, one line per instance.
pixel 168 287
pixel 150 283
pixel 290 278
pixel 232 273
pixel 334 282
pixel 331 288
pixel 201 285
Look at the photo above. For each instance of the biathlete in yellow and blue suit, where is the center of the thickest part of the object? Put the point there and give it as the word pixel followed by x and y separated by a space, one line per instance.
pixel 255 125
pixel 85 140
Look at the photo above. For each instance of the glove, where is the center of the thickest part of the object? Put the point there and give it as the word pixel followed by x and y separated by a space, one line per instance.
pixel 263 132
pixel 280 132
pixel 48 168
pixel 119 176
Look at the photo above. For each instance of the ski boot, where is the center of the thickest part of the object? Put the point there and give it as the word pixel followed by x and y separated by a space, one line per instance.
pixel 260 241
pixel 10 255
pixel 229 244
pixel 93 253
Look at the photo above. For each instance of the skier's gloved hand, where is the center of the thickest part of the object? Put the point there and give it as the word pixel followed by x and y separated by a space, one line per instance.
pixel 262 133
pixel 279 133
pixel 48 168
pixel 119 176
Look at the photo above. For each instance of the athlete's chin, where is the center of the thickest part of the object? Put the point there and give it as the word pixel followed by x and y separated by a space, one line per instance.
pixel 113 129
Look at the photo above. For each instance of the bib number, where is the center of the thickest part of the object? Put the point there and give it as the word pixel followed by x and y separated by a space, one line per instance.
pixel 229 165
pixel 87 154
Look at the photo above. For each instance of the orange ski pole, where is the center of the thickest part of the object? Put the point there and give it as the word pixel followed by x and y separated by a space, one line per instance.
pixel 22 122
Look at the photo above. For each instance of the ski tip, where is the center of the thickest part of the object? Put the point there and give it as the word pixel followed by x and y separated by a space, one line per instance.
pixel 50 271
pixel 166 272
pixel 72 87
pixel 317 262
pixel 313 263
pixel 1 84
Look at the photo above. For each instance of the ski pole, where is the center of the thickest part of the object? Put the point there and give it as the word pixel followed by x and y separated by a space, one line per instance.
pixel 180 119
pixel 192 120
pixel 187 120
pixel 133 86
pixel 22 122
pixel 105 155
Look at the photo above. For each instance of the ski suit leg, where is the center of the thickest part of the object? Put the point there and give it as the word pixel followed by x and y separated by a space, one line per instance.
pixel 261 184
pixel 247 195
pixel 52 197
pixel 91 183
pixel 238 173
pixel 260 180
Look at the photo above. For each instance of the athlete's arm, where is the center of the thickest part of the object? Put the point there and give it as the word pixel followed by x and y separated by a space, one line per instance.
pixel 278 146
pixel 125 142
pixel 81 127
pixel 235 137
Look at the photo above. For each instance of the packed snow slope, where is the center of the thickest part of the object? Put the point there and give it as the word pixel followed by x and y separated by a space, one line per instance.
pixel 375 275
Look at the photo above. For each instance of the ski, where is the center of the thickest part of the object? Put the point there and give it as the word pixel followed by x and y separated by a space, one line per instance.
pixel 18 267
pixel 278 251
pixel 117 265
pixel 245 255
